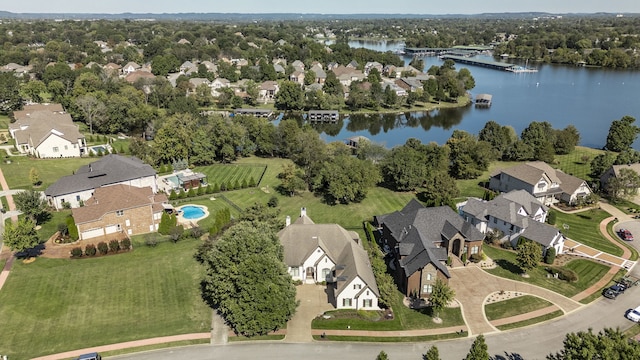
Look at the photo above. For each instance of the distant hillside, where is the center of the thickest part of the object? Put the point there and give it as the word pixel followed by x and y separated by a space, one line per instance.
pixel 274 17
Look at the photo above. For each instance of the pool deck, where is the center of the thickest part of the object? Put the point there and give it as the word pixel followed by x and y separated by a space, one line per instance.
pixel 191 222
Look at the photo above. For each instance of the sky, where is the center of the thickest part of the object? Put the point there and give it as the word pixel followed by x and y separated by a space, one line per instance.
pixel 435 7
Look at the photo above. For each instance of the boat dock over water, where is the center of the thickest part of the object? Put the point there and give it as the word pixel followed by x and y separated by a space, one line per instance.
pixel 489 64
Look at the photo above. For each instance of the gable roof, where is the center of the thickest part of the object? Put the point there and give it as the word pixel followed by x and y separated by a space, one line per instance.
pixel 532 172
pixel 110 169
pixel 418 229
pixel 109 199
pixel 303 237
pixel 37 122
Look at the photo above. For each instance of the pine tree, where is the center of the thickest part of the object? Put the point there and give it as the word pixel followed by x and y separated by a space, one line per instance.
pixel 479 349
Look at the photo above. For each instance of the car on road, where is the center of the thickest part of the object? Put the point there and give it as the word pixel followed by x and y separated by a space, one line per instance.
pixel 633 314
pixel 90 356
pixel 625 235
pixel 613 291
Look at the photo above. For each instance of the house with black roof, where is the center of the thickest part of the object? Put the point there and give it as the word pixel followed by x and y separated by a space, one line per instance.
pixel 419 240
pixel 112 169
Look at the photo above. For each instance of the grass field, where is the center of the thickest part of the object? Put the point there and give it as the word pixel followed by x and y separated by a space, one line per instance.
pixel 516 306
pixel 584 227
pixel 56 305
pixel 589 272
pixel 232 173
pixel 578 163
pixel 473 187
pixel 49 170
pixel 528 322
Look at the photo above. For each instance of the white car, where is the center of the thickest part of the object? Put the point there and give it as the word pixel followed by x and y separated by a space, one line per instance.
pixel 634 314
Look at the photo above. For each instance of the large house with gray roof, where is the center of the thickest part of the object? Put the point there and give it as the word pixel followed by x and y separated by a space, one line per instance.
pixel 547 184
pixel 419 240
pixel 46 131
pixel 74 190
pixel 316 253
pixel 514 215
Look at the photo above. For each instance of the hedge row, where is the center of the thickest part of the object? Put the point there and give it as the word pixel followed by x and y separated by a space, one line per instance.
pixel 103 248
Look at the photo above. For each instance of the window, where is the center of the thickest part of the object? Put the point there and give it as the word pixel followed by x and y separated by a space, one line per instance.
pixel 367 303
pixel 119 212
pixel 118 227
pixel 325 273
pixel 77 197
pixel 56 149
pixel 357 286
pixel 346 302
pixel 495 220
pixel 427 289
pixel 475 249
pixel 429 277
pixel 295 271
pixel 66 147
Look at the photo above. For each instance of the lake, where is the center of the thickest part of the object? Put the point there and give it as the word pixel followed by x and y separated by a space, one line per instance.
pixel 563 95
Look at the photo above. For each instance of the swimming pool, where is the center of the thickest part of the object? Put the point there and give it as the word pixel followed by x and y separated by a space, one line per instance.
pixel 192 212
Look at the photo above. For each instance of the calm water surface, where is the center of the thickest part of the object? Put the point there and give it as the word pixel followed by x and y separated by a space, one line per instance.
pixel 587 98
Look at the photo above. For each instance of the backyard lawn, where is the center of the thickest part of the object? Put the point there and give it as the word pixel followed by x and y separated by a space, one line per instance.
pixel 584 227
pixel 49 170
pixel 231 174
pixel 589 272
pixel 57 305
pixel 578 163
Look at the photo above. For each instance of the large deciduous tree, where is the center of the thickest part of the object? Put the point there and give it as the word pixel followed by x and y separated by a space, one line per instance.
pixel 469 157
pixel 290 96
pixel 91 108
pixel 32 204
pixel 346 179
pixel 529 255
pixel 622 133
pixel 499 137
pixel 607 344
pixel 21 235
pixel 623 186
pixel 9 93
pixel 247 281
pixel 541 137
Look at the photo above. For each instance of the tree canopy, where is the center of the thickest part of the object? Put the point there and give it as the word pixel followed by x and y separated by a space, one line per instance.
pixel 622 133
pixel 608 344
pixel 21 235
pixel 529 255
pixel 32 204
pixel 246 279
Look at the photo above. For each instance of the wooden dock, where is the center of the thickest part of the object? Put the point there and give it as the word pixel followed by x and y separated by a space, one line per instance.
pixel 323 116
pixel 483 100
pixel 265 113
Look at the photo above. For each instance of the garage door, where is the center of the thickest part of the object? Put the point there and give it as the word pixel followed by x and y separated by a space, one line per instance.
pixel 111 229
pixel 92 233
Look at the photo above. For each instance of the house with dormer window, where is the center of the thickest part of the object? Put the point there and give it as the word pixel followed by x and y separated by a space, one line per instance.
pixel 319 253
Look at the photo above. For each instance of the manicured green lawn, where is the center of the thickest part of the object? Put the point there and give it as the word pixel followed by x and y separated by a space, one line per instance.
pixel 473 187
pixel 212 205
pixel 516 306
pixel 49 170
pixel 634 252
pixel 589 272
pixel 4 122
pixel 574 164
pixel 404 319
pixel 57 305
pixel 584 227
pixel 378 201
pixel 528 322
pixel 231 174
pixel 51 226
pixel 394 339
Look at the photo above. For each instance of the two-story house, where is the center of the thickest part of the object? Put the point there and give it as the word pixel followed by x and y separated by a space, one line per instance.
pixel 514 215
pixel 74 190
pixel 328 253
pixel 545 183
pixel 46 131
pixel 419 240
pixel 119 209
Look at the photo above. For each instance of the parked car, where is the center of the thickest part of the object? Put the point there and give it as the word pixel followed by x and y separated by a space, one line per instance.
pixel 90 356
pixel 634 314
pixel 613 291
pixel 625 235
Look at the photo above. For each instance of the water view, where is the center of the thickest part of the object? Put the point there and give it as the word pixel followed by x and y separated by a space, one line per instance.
pixel 587 98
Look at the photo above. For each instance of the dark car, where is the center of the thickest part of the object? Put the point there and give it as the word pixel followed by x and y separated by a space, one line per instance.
pixel 625 235
pixel 613 291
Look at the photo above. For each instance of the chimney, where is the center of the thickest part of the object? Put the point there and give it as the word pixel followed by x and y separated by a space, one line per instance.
pixel 287 222
pixel 303 211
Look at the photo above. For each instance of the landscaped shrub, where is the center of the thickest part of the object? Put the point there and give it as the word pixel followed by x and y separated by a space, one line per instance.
pixel 191 193
pixel 463 258
pixel 90 250
pixel 252 182
pixel 208 189
pixel 76 252
pixel 564 273
pixel 476 258
pixel 244 183
pixel 167 222
pixel 236 185
pixel 176 233
pixel 71 228
pixel 550 256
pixel 273 202
pixel 103 247
pixel 114 246
pixel 150 240
pixel 125 244
pixel 62 228
pixel 223 187
pixel 551 218
pixel 216 188
pixel 173 195
pixel 196 232
pixel 201 191
pixel 182 195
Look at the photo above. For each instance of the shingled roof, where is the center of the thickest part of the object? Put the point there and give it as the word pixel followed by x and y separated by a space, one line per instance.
pixel 303 237
pixel 111 169
pixel 418 229
pixel 117 197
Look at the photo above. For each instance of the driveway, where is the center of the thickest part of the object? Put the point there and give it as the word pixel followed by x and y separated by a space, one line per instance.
pixel 313 302
pixel 472 296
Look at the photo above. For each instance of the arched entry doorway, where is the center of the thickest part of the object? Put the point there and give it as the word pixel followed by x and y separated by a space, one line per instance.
pixel 455 250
